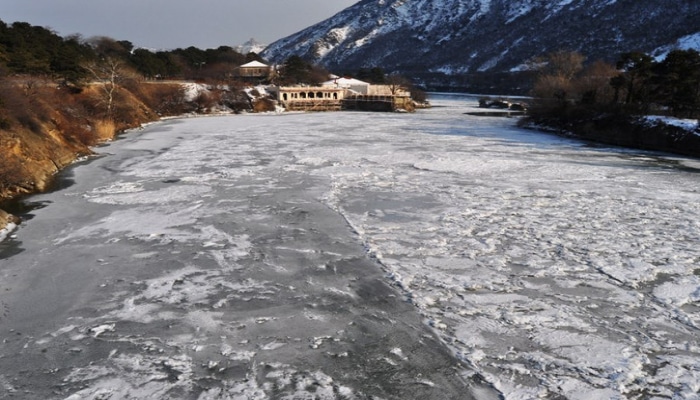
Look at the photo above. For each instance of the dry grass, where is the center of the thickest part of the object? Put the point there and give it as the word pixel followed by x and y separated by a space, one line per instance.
pixel 11 172
pixel 166 99
pixel 44 127
pixel 264 105
pixel 104 130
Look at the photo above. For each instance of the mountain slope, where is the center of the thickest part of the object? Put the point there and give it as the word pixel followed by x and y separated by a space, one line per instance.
pixel 251 46
pixel 452 38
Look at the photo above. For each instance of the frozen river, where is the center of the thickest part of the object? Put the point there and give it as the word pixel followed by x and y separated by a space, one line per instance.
pixel 433 255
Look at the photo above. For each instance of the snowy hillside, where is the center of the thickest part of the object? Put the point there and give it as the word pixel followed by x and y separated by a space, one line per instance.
pixel 251 46
pixel 457 37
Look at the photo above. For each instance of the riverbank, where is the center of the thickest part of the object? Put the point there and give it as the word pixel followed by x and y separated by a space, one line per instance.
pixel 8 223
pixel 43 133
pixel 45 127
pixel 653 133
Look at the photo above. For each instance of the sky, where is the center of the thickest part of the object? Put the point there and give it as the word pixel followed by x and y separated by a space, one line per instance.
pixel 169 24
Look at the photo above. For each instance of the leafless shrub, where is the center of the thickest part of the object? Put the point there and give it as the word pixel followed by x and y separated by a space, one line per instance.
pixel 205 101
pixel 11 174
pixel 163 98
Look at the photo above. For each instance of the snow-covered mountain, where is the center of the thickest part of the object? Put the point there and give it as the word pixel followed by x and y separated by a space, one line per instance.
pixel 451 38
pixel 251 46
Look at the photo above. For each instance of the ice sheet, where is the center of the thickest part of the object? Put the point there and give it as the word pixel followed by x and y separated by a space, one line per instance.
pixel 546 266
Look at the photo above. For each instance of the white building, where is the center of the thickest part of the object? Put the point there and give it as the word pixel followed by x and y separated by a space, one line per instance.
pixel 254 69
pixel 355 85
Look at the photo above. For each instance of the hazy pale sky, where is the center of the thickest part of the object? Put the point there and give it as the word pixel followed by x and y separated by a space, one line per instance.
pixel 169 24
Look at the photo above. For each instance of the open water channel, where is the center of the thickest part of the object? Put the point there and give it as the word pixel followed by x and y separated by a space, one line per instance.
pixel 433 255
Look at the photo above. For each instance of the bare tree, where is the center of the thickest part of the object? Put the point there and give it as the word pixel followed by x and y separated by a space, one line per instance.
pixel 565 64
pixel 593 84
pixel 107 73
pixel 556 74
pixel 398 84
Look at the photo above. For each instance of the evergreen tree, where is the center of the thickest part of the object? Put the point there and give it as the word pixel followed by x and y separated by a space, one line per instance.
pixel 295 70
pixel 637 69
pixel 374 75
pixel 679 82
pixel 150 65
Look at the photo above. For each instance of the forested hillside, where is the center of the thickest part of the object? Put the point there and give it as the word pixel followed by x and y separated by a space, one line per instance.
pixel 34 50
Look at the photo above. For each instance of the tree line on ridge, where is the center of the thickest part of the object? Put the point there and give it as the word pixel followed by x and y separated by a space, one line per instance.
pixel 636 84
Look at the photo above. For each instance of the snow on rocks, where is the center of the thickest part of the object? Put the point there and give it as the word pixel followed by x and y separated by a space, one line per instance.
pixel 8 223
pixel 194 89
pixel 687 124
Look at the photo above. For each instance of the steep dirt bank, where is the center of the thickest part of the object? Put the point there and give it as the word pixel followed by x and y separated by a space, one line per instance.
pixel 44 129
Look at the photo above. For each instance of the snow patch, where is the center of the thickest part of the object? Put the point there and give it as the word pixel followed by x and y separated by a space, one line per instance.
pixel 193 90
pixel 687 124
pixel 5 232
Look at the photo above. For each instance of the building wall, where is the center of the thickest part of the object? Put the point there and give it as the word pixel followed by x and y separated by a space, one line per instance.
pixel 309 93
pixel 331 98
pixel 387 90
pixel 255 72
pixel 361 89
pixel 310 98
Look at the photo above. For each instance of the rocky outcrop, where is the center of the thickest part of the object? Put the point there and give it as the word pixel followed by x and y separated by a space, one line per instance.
pixel 7 223
pixel 6 218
